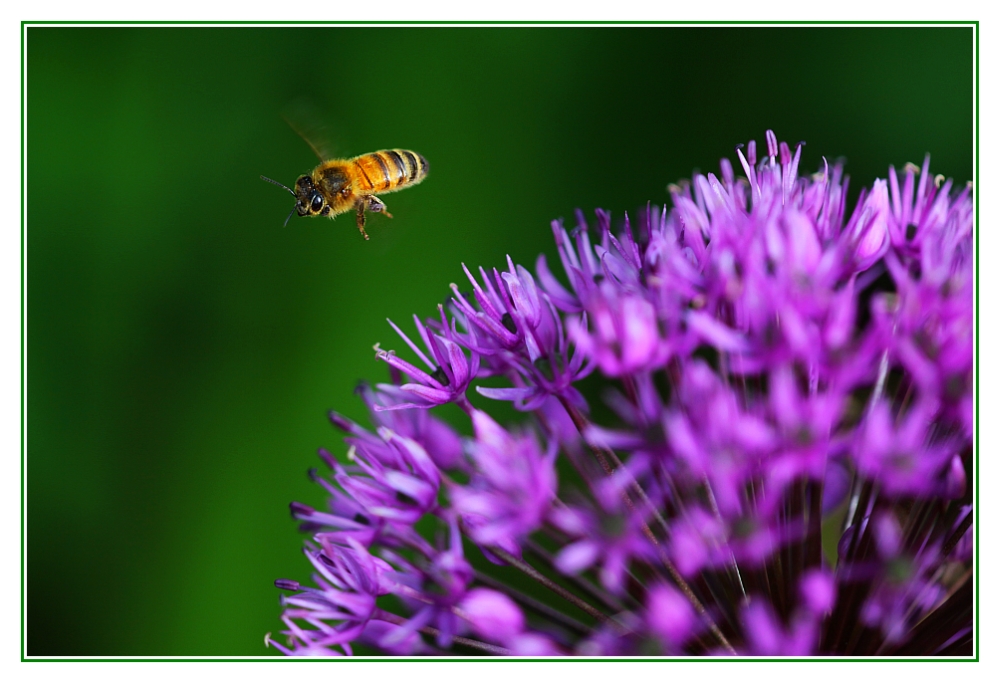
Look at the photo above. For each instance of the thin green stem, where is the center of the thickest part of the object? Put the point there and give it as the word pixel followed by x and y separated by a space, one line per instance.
pixel 533 573
pixel 536 606
pixel 545 556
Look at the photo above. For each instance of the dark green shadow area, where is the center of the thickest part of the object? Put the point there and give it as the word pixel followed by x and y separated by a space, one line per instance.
pixel 183 346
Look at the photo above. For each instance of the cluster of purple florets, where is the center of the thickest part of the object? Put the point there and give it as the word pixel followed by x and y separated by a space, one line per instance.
pixel 785 473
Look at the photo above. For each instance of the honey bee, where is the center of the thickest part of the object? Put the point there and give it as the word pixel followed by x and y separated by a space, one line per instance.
pixel 339 185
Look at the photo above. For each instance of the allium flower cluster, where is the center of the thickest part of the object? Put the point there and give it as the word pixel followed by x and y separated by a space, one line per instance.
pixel 785 466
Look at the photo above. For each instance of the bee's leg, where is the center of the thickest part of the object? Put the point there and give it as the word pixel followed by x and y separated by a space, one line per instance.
pixel 376 205
pixel 361 218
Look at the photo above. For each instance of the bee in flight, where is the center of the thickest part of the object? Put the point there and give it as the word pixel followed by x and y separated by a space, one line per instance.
pixel 339 185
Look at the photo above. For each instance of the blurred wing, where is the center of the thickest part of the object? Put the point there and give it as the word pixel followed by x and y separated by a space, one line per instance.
pixel 304 118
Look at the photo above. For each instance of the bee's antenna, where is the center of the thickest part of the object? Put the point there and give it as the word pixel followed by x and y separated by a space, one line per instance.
pixel 290 191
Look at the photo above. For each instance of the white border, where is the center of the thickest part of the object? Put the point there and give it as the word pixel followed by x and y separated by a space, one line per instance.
pixel 211 10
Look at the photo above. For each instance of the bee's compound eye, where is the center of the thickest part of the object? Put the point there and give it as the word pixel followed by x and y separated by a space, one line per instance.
pixel 317 203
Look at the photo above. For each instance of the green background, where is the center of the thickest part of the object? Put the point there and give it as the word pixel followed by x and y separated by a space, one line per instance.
pixel 183 346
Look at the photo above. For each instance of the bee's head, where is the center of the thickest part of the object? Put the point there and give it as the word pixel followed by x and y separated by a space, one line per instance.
pixel 310 201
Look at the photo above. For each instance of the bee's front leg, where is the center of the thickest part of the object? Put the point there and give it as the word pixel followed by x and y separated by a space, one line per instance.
pixel 376 205
pixel 361 218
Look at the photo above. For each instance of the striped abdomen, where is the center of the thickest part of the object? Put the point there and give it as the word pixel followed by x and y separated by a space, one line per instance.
pixel 389 170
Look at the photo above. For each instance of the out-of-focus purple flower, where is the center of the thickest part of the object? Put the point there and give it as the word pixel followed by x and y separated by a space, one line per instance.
pixel 624 334
pixel 606 538
pixel 492 614
pixel 819 591
pixel 782 472
pixel 393 639
pixel 902 457
pixel 714 437
pixel 534 645
pixel 926 326
pixel 866 236
pixel 511 489
pixel 670 616
pixel 904 589
pixel 767 636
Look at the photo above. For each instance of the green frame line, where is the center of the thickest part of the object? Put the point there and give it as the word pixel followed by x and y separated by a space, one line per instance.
pixel 975 192
pixel 665 23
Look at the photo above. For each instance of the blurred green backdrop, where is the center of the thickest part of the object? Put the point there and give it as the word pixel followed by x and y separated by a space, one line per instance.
pixel 183 346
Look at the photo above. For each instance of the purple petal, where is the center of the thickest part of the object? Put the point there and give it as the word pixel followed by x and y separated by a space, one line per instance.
pixel 505 393
pixel 492 615
pixel 819 591
pixel 411 370
pixel 716 333
pixel 670 614
pixel 576 557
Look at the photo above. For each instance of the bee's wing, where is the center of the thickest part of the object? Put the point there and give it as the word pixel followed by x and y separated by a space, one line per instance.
pixel 304 118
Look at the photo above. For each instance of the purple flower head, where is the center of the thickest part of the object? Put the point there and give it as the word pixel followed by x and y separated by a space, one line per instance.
pixel 715 437
pixel 524 338
pixel 624 334
pixel 450 371
pixel 786 372
pixel 440 441
pixel 509 313
pixel 430 586
pixel 393 480
pixel 905 458
pixel 927 324
pixel 587 265
pixel 512 488
pixel 608 539
pixel 904 589
pixel 349 580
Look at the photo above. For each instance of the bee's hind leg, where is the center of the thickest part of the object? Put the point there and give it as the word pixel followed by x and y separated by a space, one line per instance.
pixel 361 218
pixel 376 205
pixel 369 203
